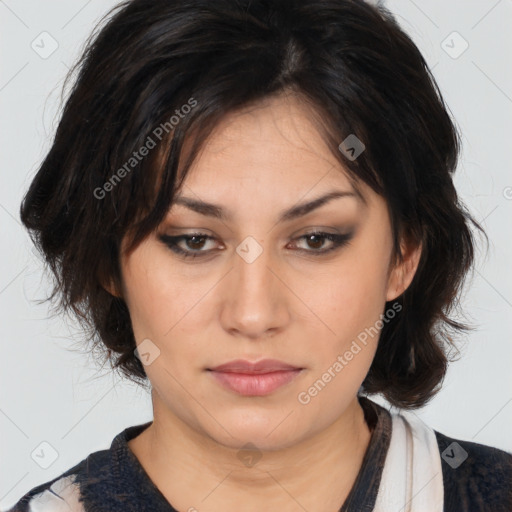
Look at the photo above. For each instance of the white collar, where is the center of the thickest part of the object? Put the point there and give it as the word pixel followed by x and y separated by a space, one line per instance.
pixel 412 478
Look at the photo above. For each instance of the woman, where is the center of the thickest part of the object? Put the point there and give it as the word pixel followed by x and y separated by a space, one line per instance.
pixel 251 204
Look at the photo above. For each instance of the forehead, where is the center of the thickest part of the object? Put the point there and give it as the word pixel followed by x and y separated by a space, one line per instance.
pixel 284 123
pixel 274 143
pixel 268 164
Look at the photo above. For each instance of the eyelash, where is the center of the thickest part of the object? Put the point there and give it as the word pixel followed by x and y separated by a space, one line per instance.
pixel 337 240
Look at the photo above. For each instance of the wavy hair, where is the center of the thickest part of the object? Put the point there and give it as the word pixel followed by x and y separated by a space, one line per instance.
pixel 147 59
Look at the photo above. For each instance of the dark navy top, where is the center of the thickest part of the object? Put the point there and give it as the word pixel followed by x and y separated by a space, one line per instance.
pixel 113 480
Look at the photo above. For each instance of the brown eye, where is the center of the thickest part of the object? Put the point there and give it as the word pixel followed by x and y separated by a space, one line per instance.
pixel 192 245
pixel 195 242
pixel 188 246
pixel 316 240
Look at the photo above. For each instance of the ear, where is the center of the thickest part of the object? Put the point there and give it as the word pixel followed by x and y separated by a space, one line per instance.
pixel 402 274
pixel 112 289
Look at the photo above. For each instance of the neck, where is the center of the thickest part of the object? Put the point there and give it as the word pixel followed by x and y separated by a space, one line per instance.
pixel 198 471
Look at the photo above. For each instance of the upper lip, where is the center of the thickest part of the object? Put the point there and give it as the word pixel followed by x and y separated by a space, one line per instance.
pixel 263 366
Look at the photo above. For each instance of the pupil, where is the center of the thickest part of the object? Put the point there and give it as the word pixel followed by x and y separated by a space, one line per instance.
pixel 318 242
pixel 195 243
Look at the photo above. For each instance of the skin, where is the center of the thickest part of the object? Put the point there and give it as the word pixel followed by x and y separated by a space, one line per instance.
pixel 303 309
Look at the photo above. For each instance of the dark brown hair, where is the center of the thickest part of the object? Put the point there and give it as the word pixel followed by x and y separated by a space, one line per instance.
pixel 350 60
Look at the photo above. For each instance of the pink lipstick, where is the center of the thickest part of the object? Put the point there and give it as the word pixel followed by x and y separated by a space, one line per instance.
pixel 254 379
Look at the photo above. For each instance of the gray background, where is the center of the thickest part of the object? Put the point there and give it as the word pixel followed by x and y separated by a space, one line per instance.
pixel 51 394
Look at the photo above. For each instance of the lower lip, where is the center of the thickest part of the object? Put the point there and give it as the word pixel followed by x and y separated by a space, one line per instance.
pixel 259 384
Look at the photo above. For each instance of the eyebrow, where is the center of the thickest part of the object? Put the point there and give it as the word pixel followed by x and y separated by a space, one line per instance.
pixel 214 210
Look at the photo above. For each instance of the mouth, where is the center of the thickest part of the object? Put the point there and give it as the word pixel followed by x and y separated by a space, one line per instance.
pixel 254 379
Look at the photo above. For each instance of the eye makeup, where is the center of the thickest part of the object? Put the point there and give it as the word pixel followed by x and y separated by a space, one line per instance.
pixel 191 245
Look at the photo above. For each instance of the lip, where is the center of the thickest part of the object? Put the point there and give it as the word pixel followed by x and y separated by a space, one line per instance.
pixel 254 379
pixel 247 367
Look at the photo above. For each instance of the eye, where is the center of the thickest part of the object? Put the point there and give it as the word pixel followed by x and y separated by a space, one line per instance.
pixel 192 245
pixel 316 240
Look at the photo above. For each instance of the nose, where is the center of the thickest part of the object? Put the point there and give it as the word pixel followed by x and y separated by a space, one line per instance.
pixel 255 297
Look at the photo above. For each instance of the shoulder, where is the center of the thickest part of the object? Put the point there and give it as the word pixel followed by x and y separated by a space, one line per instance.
pixel 60 494
pixel 97 482
pixel 476 477
pixel 63 492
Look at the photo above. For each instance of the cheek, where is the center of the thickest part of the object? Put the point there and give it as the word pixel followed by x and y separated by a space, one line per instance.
pixel 351 296
pixel 350 304
pixel 166 307
pixel 157 297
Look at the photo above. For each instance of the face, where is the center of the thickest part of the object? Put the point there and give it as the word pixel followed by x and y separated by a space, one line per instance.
pixel 245 281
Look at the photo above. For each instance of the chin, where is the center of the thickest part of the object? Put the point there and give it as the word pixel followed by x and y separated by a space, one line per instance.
pixel 267 432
